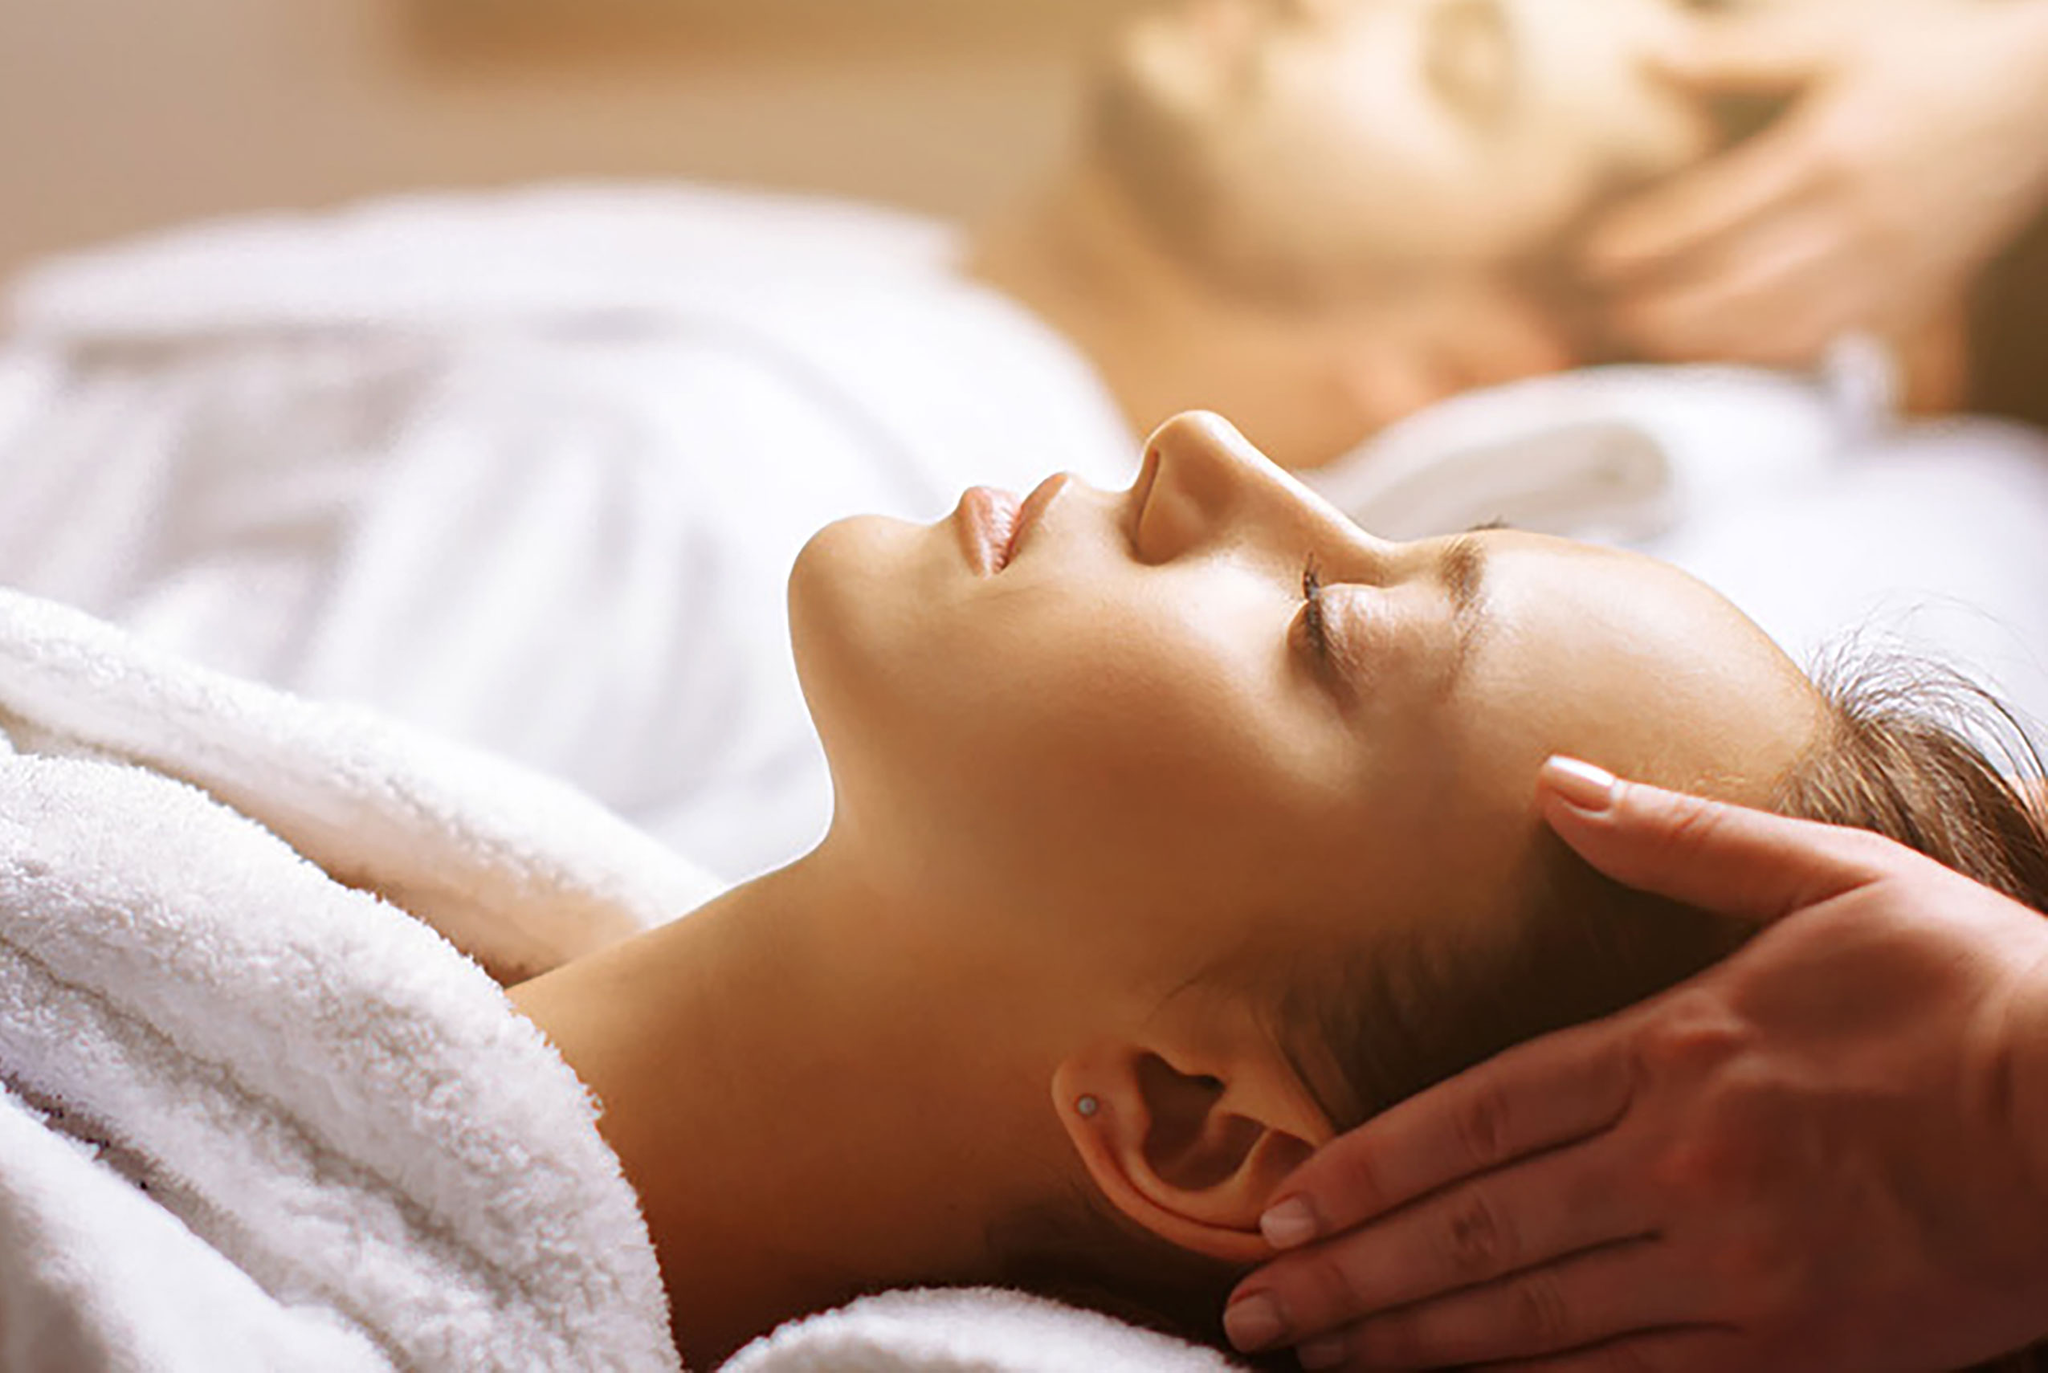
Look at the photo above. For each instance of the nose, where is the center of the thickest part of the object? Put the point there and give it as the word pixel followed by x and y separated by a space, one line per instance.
pixel 1205 483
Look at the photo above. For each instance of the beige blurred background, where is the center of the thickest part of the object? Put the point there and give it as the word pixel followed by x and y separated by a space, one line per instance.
pixel 124 115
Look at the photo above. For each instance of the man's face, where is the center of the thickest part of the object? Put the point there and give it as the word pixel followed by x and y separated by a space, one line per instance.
pixel 1302 146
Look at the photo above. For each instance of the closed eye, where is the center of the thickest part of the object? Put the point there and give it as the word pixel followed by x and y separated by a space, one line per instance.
pixel 1315 622
pixel 1461 571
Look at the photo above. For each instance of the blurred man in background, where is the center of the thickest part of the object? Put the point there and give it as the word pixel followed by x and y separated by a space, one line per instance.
pixel 1321 217
pixel 1422 197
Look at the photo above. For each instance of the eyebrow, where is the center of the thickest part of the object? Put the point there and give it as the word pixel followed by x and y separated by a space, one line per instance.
pixel 1461 570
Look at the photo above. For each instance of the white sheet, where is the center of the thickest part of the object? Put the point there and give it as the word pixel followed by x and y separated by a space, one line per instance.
pixel 530 473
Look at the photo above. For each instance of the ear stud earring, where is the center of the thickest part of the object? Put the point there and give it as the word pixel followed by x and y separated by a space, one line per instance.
pixel 1086 1107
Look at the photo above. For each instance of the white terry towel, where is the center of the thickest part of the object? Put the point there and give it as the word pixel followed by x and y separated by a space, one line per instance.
pixel 251 1117
pixel 969 1330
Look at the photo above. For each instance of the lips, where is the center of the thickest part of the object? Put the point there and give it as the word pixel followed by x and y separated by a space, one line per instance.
pixel 1035 506
pixel 987 520
pixel 995 524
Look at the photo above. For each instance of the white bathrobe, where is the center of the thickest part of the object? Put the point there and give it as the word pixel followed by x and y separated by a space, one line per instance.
pixel 252 1117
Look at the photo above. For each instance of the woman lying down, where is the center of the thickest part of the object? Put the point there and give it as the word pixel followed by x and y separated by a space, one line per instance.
pixel 1177 830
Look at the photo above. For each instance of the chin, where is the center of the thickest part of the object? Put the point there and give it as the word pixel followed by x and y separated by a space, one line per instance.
pixel 864 600
pixel 832 585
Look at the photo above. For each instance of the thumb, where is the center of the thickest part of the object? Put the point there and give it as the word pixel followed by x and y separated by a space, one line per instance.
pixel 1719 858
pixel 1761 56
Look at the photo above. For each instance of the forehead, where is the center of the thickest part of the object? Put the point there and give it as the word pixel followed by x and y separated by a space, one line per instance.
pixel 1607 656
pixel 1635 665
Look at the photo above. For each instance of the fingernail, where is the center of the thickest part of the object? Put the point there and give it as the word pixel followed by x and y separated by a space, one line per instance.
pixel 1289 1225
pixel 1254 1323
pixel 1583 785
pixel 1326 1352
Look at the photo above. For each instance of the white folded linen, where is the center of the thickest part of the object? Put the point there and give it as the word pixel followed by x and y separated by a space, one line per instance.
pixel 1803 499
pixel 1609 453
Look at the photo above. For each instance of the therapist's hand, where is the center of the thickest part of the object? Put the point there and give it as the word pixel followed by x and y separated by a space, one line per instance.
pixel 1829 1152
pixel 1916 149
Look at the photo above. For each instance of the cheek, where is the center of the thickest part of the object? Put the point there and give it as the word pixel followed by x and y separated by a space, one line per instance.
pixel 1097 745
pixel 1103 749
pixel 1102 710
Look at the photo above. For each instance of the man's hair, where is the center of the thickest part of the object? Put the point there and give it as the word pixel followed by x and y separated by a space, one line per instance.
pixel 1907 752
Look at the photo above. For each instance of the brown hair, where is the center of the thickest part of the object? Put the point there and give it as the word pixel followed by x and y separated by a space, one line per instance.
pixel 1908 753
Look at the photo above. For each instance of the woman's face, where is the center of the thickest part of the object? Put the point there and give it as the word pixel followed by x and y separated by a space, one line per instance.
pixel 1210 709
pixel 1303 137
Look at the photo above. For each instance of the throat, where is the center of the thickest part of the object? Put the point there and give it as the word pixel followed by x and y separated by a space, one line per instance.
pixel 803 1124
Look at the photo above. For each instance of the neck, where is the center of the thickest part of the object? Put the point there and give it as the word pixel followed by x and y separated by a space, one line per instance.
pixel 803 1120
pixel 1306 384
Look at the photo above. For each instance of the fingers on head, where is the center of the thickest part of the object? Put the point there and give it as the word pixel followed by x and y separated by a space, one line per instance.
pixel 1534 1097
pixel 1777 295
pixel 1776 50
pixel 1676 230
pixel 1726 859
pixel 1577 1312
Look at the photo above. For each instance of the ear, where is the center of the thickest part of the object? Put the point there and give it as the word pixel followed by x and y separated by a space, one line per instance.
pixel 1190 1139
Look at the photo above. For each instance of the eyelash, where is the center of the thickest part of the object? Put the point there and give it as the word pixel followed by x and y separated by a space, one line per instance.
pixel 1314 620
